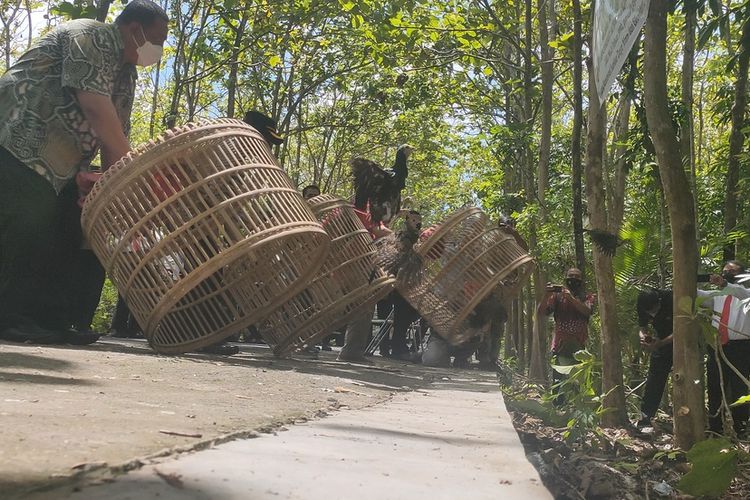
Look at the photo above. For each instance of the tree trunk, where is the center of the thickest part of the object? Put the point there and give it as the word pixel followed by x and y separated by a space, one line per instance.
pixel 576 138
pixel 736 140
pixel 29 24
pixel 535 328
pixel 619 143
pixel 154 101
pixel 234 65
pixel 520 334
pixel 529 333
pixel 687 373
pixel 102 10
pixel 545 140
pixel 612 381
pixel 538 366
pixel 7 18
pixel 511 329
pixel 687 145
pixel 509 341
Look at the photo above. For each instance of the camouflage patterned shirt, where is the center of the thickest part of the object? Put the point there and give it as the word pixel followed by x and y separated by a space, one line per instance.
pixel 41 122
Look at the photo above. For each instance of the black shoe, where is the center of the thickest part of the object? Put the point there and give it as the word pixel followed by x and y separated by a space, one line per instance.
pixel 32 334
pixel 221 349
pixel 402 356
pixel 354 359
pixel 75 337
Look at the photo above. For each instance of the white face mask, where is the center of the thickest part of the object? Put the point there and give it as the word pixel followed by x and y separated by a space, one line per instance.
pixel 148 53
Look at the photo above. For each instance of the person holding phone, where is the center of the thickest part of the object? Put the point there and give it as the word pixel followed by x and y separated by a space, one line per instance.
pixel 654 309
pixel 732 323
pixel 571 307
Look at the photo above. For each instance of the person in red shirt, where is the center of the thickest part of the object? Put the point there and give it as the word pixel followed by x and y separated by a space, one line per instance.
pixel 571 308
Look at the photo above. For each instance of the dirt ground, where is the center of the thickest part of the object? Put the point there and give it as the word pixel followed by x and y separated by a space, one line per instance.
pixel 623 464
pixel 72 411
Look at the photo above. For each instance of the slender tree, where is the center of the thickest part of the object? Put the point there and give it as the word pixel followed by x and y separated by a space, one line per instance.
pixel 537 368
pixel 737 135
pixel 596 193
pixel 687 130
pixel 575 151
pixel 688 364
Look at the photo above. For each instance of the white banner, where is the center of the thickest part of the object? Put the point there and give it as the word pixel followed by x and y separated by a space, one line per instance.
pixel 617 24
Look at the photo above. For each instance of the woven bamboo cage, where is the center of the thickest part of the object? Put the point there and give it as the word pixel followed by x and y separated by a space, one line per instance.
pixel 348 282
pixel 465 264
pixel 202 233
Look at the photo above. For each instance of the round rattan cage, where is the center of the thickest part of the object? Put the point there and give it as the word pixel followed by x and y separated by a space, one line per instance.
pixel 347 282
pixel 463 265
pixel 202 233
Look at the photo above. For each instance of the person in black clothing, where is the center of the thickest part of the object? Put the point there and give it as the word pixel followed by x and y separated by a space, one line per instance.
pixel 85 278
pixel 654 308
pixel 403 316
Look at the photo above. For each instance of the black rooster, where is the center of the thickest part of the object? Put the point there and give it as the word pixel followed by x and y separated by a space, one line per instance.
pixel 378 187
pixel 606 242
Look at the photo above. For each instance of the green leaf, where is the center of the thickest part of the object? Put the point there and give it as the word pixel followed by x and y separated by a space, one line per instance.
pixel 274 60
pixel 714 465
pixel 537 409
pixel 347 6
pixel 743 400
pixel 74 10
pixel 583 356
pixel 565 370
pixel 685 305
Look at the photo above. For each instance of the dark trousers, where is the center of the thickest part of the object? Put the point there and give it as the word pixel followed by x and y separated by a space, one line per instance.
pixel 659 368
pixel 85 278
pixel 31 275
pixel 403 316
pixel 122 320
pixel 489 349
pixel 737 353
pixel 558 378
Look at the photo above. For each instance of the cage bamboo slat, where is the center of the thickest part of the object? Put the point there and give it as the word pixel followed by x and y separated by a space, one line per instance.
pixel 202 233
pixel 463 264
pixel 347 282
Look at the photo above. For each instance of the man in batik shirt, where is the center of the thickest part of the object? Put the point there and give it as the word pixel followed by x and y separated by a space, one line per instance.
pixel 571 308
pixel 65 99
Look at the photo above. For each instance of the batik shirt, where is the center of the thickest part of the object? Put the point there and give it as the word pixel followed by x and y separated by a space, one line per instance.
pixel 571 326
pixel 41 122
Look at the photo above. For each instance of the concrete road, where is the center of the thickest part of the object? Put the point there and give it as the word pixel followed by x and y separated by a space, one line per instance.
pixel 98 422
pixel 436 444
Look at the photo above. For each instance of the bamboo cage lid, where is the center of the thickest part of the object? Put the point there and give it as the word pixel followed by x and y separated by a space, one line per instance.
pixel 202 233
pixel 466 265
pixel 347 283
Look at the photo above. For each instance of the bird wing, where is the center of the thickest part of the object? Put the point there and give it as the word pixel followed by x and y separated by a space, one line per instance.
pixel 369 181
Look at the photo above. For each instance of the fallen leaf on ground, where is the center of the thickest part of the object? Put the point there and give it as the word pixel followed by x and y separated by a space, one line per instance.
pixel 350 391
pixel 173 480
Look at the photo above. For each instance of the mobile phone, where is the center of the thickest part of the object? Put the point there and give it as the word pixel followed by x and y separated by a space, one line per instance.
pixel 703 278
